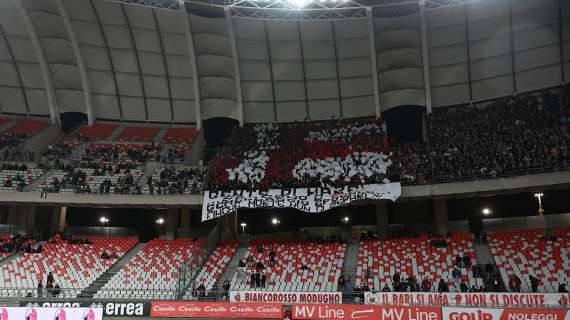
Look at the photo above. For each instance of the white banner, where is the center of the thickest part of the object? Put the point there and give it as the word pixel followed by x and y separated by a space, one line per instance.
pixel 286 297
pixel 503 314
pixel 34 313
pixel 220 203
pixel 476 299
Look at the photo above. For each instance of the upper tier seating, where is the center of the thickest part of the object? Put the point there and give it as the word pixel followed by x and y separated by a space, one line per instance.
pixel 122 152
pixel 96 132
pixel 15 176
pixel 526 252
pixel 74 266
pixel 325 154
pixel 413 257
pixel 27 127
pixel 138 134
pixel 4 121
pixel 216 264
pixel 179 136
pixel 299 266
pixel 153 272
pixel 171 180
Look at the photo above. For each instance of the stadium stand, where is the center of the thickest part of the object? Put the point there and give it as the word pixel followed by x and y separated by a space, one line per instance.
pixel 175 180
pixel 96 132
pixel 27 127
pixel 321 154
pixel 216 264
pixel 121 152
pixel 179 136
pixel 16 176
pixel 94 178
pixel 525 253
pixel 153 272
pixel 417 258
pixel 138 134
pixel 297 266
pixel 74 264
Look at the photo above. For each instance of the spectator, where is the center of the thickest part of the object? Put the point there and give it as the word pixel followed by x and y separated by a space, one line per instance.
pixel 226 286
pixel 263 279
pixel 40 289
pixel 386 288
pixel 533 283
pixel 562 288
pixel 201 291
pixel 271 258
pixel 442 286
pixel 463 287
pixel 252 281
pixel 257 279
pixel 515 283
pixel 426 284
pixel 50 278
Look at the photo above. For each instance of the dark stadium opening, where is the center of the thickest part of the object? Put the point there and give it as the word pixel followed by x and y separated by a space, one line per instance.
pixel 72 120
pixel 405 123
pixel 216 132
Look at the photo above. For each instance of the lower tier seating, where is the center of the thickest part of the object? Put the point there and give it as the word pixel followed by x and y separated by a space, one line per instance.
pixel 153 272
pixel 17 176
pixel 379 260
pixel 525 253
pixel 298 266
pixel 74 266
pixel 216 264
pixel 118 180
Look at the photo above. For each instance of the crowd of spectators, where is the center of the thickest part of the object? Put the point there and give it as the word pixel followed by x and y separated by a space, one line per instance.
pixel 511 136
pixel 16 243
pixel 9 147
pixel 76 177
pixel 171 180
pixel 122 152
pixel 322 154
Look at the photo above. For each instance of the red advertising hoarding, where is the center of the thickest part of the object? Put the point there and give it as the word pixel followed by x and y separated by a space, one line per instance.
pixel 223 310
pixel 363 312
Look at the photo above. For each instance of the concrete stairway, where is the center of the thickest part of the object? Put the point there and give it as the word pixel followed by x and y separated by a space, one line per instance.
pixel 113 136
pixel 35 185
pixel 483 253
pixel 90 291
pixel 159 135
pixel 232 267
pixel 350 261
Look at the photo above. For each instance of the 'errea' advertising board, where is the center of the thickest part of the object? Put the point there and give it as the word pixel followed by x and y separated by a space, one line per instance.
pixel 110 308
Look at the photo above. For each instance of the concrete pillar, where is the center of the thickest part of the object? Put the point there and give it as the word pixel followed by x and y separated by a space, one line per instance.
pixel 441 216
pixel 13 215
pixel 171 224
pixel 59 216
pixel 185 219
pixel 382 219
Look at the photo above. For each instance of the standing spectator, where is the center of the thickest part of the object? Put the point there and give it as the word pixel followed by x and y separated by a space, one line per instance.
pixel 252 280
pixel 515 283
pixel 442 286
pixel 263 280
pixel 257 277
pixel 562 288
pixel 50 278
pixel 463 287
pixel 226 287
pixel 426 284
pixel 40 289
pixel 534 283
pixel 271 258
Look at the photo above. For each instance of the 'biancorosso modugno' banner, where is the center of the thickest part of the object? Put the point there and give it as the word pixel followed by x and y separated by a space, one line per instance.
pixel 33 313
pixel 220 203
pixel 286 297
pixel 478 299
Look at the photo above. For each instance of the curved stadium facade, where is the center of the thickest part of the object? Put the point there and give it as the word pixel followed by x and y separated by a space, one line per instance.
pixel 145 144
